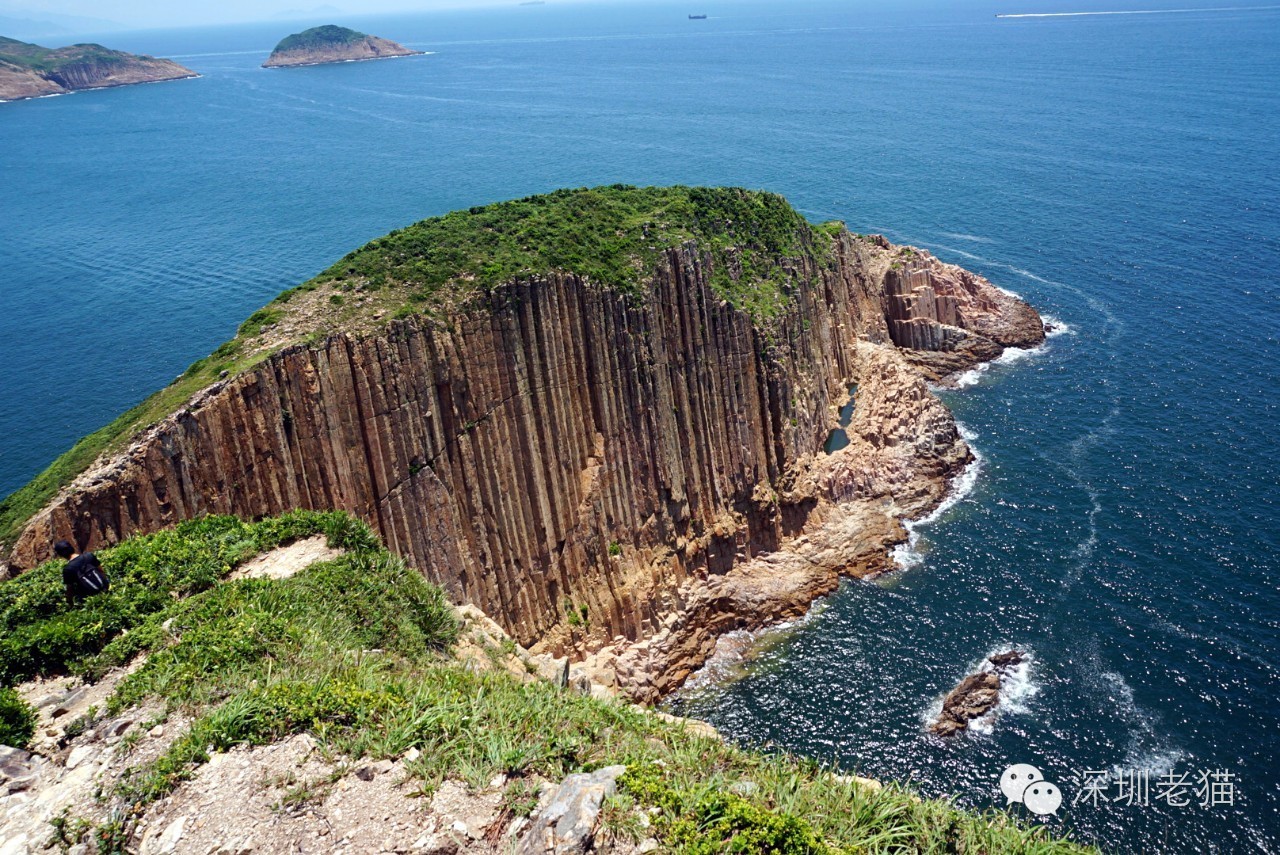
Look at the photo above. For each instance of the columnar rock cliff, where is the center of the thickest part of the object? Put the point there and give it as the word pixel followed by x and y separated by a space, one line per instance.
pixel 32 71
pixel 606 472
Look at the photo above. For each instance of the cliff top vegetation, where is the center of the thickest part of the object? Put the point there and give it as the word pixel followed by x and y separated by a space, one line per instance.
pixel 48 60
pixel 613 236
pixel 318 38
pixel 252 661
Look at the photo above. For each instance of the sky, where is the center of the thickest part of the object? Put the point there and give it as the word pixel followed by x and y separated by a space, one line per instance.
pixel 142 14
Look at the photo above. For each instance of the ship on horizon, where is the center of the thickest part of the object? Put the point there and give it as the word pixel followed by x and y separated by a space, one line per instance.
pixel 697 17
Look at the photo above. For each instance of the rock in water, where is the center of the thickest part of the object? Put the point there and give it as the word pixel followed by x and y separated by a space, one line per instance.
pixel 319 45
pixel 977 694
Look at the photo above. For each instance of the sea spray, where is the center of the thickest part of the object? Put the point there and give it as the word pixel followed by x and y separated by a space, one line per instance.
pixel 910 554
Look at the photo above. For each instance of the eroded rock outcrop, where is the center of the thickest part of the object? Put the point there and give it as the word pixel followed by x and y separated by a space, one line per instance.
pixel 32 71
pixel 977 694
pixel 613 475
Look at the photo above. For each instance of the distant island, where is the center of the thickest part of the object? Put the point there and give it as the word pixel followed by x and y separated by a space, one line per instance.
pixel 329 43
pixel 32 71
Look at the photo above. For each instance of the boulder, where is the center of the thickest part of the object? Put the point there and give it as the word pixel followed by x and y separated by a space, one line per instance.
pixel 976 695
pixel 568 823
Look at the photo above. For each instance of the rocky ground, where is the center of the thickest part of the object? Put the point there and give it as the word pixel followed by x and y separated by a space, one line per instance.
pixel 290 797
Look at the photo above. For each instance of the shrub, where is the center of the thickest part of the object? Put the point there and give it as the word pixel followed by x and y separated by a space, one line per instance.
pixel 41 634
pixel 17 720
pixel 258 321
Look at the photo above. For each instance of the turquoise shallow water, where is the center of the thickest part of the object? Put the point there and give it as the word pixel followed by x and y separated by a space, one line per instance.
pixel 1119 172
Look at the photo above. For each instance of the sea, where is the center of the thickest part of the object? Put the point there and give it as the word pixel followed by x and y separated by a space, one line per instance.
pixel 1119 171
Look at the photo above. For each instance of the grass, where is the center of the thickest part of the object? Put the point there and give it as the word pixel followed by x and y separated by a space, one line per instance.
pixel 41 635
pixel 47 61
pixel 354 652
pixel 611 235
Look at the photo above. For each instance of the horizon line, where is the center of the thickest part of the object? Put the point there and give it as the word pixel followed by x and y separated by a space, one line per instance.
pixel 1136 12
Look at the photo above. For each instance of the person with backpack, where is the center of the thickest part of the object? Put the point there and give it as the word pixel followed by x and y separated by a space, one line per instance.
pixel 83 575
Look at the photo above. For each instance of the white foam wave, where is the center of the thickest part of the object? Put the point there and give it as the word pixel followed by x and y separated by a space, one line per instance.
pixel 1015 354
pixel 1009 356
pixel 735 649
pixel 1139 12
pixel 1148 750
pixel 1017 687
pixel 971 377
pixel 909 554
pixel 1054 327
pixel 1155 761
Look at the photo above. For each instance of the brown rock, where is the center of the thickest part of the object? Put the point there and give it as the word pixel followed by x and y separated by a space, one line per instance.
pixel 977 694
pixel 32 71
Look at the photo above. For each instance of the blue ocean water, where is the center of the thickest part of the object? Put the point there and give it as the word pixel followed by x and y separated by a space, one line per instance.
pixel 1120 172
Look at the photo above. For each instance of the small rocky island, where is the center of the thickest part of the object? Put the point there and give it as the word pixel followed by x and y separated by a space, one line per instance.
pixel 329 43
pixel 32 71
pixel 977 694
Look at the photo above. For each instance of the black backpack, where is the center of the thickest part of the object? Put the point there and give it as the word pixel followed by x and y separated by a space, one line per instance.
pixel 89 578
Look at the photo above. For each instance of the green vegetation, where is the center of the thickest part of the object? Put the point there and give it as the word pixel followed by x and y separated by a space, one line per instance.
pixel 40 634
pixel 258 321
pixel 43 60
pixel 354 652
pixel 17 719
pixel 610 235
pixel 319 38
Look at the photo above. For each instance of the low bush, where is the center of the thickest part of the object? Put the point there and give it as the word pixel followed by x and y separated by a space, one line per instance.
pixel 17 720
pixel 41 634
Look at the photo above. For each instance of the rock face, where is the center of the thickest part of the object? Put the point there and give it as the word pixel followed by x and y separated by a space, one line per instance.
pixel 605 474
pixel 567 825
pixel 977 694
pixel 332 44
pixel 32 71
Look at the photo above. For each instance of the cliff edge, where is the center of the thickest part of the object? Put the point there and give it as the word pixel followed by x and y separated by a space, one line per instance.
pixel 330 43
pixel 598 415
pixel 32 71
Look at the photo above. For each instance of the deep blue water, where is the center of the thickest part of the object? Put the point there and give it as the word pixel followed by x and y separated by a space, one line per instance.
pixel 1120 172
